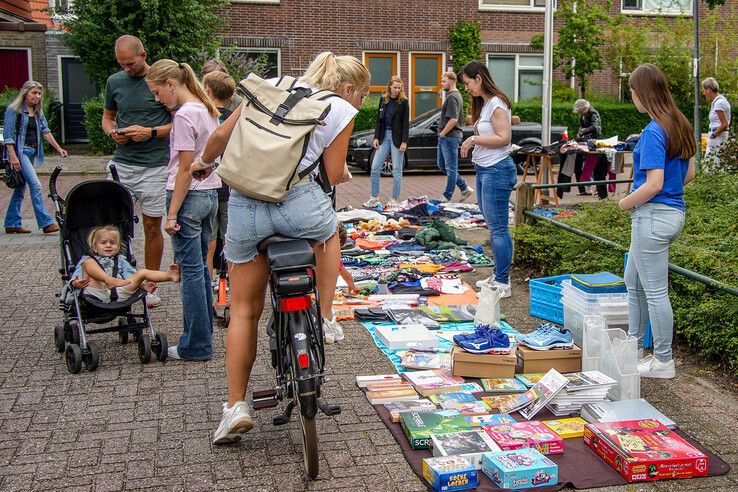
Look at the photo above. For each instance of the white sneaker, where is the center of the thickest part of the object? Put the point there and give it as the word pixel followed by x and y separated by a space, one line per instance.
pixel 466 193
pixel 654 368
pixel 236 421
pixel 329 336
pixel 153 300
pixel 443 199
pixel 484 283
pixel 372 202
pixel 172 353
pixel 506 288
pixel 335 328
pixel 392 203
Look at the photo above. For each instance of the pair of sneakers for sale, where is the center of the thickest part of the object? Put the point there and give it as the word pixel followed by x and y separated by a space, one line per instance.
pixel 486 339
pixel 546 337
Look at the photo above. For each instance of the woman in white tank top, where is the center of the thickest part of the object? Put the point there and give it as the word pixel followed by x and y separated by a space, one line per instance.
pixel 496 174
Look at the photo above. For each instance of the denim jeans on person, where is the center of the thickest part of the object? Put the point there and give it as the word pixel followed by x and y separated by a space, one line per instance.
pixel 398 161
pixel 654 227
pixel 448 163
pixel 190 245
pixel 13 215
pixel 494 185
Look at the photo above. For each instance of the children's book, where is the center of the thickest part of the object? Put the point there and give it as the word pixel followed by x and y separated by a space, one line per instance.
pixel 567 428
pixel 497 401
pixel 545 389
pixel 489 419
pixel 530 378
pixel 419 426
pixel 424 360
pixel 469 445
pixel 516 402
pixel 434 381
pixel 362 381
pixel 396 408
pixel 459 397
pixel 471 388
pixel 387 396
pixel 526 435
pixel 466 408
pixel 503 385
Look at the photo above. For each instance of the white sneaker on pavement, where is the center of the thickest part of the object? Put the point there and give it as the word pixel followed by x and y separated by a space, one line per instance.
pixel 443 199
pixel 392 203
pixel 466 193
pixel 172 353
pixel 372 202
pixel 153 300
pixel 329 335
pixel 654 368
pixel 235 421
pixel 336 329
pixel 484 283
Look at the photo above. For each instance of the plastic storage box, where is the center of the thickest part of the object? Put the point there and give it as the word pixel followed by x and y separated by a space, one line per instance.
pixel 612 352
pixel 578 304
pixel 545 298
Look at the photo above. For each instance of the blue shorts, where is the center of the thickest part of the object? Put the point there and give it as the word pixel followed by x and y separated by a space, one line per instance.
pixel 306 213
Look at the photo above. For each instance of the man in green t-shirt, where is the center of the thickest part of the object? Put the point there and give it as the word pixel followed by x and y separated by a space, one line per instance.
pixel 140 128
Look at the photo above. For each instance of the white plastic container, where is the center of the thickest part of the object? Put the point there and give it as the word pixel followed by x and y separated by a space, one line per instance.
pixel 488 308
pixel 605 304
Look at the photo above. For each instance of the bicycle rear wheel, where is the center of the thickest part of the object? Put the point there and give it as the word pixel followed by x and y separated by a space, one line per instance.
pixel 309 446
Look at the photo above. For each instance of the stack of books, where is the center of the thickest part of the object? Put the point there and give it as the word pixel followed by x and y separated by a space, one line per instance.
pixel 583 388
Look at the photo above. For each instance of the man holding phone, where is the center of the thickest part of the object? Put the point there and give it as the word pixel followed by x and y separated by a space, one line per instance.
pixel 139 126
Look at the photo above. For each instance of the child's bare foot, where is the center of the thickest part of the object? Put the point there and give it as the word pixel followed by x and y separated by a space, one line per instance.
pixel 174 272
pixel 112 283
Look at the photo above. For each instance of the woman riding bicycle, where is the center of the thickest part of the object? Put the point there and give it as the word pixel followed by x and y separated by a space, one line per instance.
pixel 306 213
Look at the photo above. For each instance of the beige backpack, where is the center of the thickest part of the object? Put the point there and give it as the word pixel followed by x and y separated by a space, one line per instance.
pixel 271 137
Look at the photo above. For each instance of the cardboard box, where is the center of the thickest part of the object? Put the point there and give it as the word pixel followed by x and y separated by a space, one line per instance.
pixel 566 360
pixel 646 449
pixel 469 365
pixel 450 473
pixel 520 469
pixel 468 445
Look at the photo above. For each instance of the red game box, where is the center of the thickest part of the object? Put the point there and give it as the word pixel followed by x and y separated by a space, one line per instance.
pixel 531 434
pixel 643 450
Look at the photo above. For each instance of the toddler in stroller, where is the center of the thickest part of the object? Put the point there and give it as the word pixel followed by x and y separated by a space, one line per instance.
pixel 107 274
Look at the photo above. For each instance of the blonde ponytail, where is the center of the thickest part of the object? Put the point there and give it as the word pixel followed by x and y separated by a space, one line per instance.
pixel 166 69
pixel 329 71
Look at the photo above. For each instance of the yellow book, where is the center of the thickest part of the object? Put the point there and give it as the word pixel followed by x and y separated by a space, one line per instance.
pixel 566 428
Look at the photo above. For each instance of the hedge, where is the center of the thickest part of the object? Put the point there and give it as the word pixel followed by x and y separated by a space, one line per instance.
pixel 704 318
pixel 52 112
pixel 99 142
pixel 367 116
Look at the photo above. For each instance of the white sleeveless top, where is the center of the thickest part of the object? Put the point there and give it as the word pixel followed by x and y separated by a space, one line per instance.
pixel 488 156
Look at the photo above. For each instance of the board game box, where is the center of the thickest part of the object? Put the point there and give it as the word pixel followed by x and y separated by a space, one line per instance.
pixel 450 473
pixel 396 408
pixel 520 469
pixel 468 445
pixel 642 450
pixel 489 419
pixel 526 435
pixel 567 428
pixel 418 426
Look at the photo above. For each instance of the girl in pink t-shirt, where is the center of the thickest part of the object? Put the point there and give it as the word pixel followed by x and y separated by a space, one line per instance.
pixel 191 204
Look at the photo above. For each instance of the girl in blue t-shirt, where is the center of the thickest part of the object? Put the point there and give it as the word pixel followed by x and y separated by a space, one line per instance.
pixel 662 165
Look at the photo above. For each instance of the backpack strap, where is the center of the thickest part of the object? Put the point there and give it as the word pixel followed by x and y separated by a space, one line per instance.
pixel 286 82
pixel 289 103
pixel 322 177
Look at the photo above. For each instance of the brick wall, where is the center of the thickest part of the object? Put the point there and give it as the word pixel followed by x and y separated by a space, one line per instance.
pixel 33 40
pixel 54 48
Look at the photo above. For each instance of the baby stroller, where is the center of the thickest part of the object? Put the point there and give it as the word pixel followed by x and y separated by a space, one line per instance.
pixel 88 205
pixel 221 301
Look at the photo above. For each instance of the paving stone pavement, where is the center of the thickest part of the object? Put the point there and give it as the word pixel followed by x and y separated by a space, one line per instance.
pixel 130 426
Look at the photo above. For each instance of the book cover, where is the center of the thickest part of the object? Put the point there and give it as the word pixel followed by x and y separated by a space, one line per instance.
pixel 489 419
pixel 362 381
pixel 467 408
pixel 470 388
pixel 516 402
pixel 425 360
pixel 497 401
pixel 456 397
pixel 520 469
pixel 450 473
pixel 503 385
pixel 388 385
pixel 398 407
pixel 645 450
pixel 419 426
pixel 526 435
pixel 434 381
pixel 469 445
pixel 588 380
pixel 378 397
pixel 567 428
pixel 545 389
pixel 530 378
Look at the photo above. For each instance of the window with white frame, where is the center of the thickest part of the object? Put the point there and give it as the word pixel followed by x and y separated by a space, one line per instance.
pixel 242 61
pixel 671 7
pixel 520 76
pixel 512 4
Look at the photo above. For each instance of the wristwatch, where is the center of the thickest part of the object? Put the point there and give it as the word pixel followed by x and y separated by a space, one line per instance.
pixel 472 139
pixel 153 132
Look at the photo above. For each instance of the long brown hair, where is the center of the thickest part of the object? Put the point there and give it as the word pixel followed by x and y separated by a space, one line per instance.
pixel 165 69
pixel 401 96
pixel 649 84
pixel 471 70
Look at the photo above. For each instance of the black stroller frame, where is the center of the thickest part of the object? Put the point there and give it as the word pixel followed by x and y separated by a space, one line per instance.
pixel 88 205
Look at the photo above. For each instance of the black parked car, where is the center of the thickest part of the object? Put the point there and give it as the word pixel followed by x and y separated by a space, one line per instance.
pixel 421 150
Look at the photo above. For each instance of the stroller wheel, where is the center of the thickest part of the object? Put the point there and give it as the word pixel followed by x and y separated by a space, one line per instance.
pixel 59 341
pixel 73 332
pixel 74 358
pixel 144 348
pixel 227 316
pixel 92 357
pixel 122 330
pixel 160 347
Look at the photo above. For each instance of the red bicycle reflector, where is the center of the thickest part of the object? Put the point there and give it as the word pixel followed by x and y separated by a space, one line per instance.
pixel 302 359
pixel 294 303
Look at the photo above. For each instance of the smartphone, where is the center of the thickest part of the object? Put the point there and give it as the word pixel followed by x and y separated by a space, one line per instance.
pixel 120 131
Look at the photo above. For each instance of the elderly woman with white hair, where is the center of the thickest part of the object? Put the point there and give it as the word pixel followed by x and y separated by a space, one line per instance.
pixel 719 118
pixel 590 126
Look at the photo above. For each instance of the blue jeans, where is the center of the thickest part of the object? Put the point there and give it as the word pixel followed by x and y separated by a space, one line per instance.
pixel 448 163
pixel 13 216
pixel 398 161
pixel 494 185
pixel 190 246
pixel 654 227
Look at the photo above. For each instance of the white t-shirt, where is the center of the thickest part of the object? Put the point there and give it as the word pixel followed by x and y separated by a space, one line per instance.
pixel 341 113
pixel 488 156
pixel 718 104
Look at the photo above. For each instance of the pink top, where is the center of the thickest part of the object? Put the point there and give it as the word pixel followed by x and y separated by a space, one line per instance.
pixel 191 128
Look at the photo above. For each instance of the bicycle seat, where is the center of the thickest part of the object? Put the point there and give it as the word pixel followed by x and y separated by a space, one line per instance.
pixel 278 238
pixel 284 253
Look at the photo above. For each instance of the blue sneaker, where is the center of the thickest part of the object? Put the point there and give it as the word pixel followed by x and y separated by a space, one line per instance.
pixel 481 331
pixel 493 342
pixel 547 337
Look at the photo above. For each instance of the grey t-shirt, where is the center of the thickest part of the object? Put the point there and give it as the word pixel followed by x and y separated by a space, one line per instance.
pixel 452 107
pixel 135 105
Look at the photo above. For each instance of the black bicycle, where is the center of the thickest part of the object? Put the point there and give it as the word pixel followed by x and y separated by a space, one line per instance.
pixel 295 341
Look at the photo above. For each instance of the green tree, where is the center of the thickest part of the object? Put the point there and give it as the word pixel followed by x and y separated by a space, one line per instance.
pixel 466 45
pixel 581 37
pixel 183 30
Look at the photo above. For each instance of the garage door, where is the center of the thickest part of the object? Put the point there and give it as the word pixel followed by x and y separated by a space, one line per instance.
pixel 15 68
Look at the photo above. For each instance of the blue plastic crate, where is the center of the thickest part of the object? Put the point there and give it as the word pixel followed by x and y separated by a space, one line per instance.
pixel 545 298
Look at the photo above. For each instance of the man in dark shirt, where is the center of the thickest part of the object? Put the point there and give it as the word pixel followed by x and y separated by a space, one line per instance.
pixel 449 138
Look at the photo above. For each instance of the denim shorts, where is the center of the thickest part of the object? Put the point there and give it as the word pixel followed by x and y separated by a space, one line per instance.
pixel 306 213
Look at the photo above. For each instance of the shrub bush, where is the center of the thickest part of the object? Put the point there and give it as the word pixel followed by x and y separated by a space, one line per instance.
pixel 367 116
pixel 703 317
pixel 99 142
